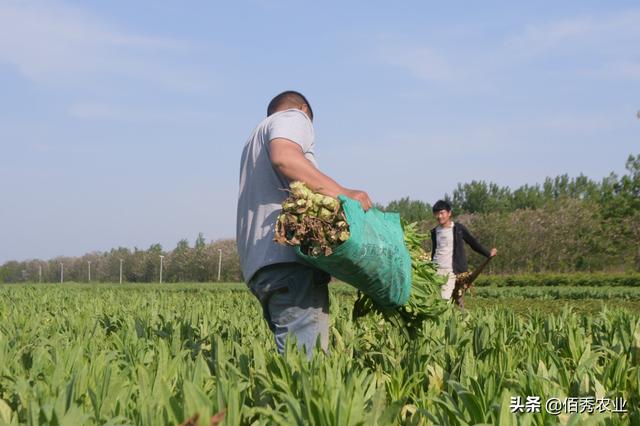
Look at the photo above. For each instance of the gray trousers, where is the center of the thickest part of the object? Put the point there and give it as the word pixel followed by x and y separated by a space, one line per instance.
pixel 295 302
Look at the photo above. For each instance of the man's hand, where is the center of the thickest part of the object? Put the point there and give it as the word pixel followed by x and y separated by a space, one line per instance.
pixel 494 252
pixel 360 196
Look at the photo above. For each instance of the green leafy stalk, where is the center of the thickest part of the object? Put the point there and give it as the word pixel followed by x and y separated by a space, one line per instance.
pixel 424 302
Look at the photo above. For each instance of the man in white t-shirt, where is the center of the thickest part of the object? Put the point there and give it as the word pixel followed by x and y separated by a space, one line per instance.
pixel 447 246
pixel 281 149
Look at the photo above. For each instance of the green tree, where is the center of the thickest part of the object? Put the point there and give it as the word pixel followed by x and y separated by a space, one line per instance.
pixel 410 210
pixel 178 262
pixel 481 197
pixel 527 197
pixel 198 264
pixel 230 270
pixel 112 265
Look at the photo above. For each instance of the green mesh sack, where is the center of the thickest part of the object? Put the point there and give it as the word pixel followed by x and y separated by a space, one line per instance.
pixel 374 259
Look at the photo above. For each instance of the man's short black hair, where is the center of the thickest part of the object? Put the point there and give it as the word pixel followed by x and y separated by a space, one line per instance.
pixel 441 205
pixel 289 98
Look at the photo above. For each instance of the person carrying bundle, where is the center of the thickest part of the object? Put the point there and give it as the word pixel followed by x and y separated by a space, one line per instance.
pixel 280 150
pixel 447 246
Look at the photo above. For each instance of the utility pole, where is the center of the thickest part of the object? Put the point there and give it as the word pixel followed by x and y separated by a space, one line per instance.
pixel 39 274
pixel 161 257
pixel 89 263
pixel 120 271
pixel 61 273
pixel 219 262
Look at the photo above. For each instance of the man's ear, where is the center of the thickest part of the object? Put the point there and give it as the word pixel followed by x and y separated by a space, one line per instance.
pixel 305 108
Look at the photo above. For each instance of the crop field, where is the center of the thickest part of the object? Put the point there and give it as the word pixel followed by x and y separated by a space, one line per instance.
pixel 158 354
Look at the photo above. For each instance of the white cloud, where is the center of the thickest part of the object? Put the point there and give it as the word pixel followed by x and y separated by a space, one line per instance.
pixel 128 113
pixel 423 62
pixel 583 31
pixel 579 124
pixel 619 70
pixel 537 38
pixel 54 44
pixel 596 46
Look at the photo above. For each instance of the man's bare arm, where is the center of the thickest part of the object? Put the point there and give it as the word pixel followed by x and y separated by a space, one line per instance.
pixel 287 157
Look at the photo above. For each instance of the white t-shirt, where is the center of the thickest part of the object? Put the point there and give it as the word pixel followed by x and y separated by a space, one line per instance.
pixel 262 190
pixel 443 256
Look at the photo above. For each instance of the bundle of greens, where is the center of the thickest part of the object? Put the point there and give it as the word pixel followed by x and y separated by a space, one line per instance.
pixel 312 221
pixel 318 225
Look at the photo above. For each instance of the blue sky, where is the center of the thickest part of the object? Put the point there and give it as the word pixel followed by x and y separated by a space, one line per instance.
pixel 122 123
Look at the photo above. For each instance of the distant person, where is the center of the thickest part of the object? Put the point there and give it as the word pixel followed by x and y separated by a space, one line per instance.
pixel 447 246
pixel 281 149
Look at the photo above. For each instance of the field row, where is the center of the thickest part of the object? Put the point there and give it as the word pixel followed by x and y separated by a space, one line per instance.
pixel 561 280
pixel 159 354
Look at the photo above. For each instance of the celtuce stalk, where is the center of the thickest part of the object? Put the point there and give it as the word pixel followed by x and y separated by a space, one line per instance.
pixel 313 221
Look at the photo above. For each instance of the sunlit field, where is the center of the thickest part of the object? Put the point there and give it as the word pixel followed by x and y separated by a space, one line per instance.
pixel 158 354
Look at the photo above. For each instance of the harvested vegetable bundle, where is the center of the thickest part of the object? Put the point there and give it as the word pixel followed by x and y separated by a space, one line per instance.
pixel 312 221
pixel 404 288
pixel 464 283
pixel 364 249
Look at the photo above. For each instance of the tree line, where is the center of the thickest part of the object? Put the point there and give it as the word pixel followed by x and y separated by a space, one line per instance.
pixel 562 225
pixel 199 262
pixel 614 195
